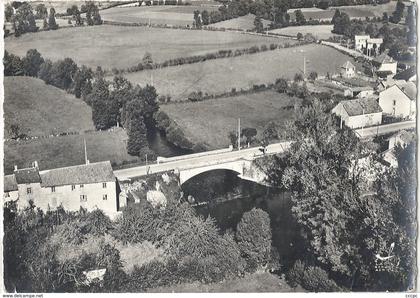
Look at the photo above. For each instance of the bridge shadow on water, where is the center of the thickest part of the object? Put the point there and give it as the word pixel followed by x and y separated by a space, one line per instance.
pixel 226 197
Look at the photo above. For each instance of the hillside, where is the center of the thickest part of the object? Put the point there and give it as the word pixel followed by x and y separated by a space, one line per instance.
pixel 39 109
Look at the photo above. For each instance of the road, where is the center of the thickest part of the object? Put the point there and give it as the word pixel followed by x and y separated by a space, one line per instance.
pixel 384 129
pixel 194 161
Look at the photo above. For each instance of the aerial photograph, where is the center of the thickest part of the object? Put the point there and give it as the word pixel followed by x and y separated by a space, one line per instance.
pixel 209 146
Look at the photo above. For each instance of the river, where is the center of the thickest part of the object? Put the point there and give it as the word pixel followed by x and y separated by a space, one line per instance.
pixel 158 143
pixel 246 195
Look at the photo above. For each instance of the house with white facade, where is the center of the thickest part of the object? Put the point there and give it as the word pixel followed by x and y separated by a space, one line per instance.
pixel 358 113
pixel 385 65
pixel 348 70
pixel 399 100
pixel 364 43
pixel 91 186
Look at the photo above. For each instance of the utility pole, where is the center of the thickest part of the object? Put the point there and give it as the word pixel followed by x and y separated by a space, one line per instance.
pixel 86 159
pixel 239 133
pixel 304 66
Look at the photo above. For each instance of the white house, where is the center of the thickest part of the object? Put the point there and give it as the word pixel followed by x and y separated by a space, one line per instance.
pixel 91 186
pixel 348 70
pixel 358 113
pixel 365 42
pixel 385 64
pixel 399 101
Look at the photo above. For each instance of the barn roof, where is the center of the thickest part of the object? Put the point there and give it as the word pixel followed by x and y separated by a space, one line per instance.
pixel 10 183
pixel 81 174
pixel 361 106
pixel 26 176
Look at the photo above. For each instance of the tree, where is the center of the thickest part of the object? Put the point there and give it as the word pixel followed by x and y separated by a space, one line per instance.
pixel 205 17
pixel 41 11
pixel 299 36
pixel 313 75
pixel 253 235
pixel 147 60
pixel 82 83
pixel 32 63
pixel 197 19
pixel 249 133
pixel 300 18
pixel 89 20
pixel 105 110
pixel 259 27
pixel 137 135
pixel 13 65
pixel 8 12
pixel 385 17
pixel 62 73
pixel 96 17
pixel 411 22
pixel 342 25
pixel 398 13
pixel 298 77
pixel 281 85
pixel 52 25
pixel 336 17
pixel 45 72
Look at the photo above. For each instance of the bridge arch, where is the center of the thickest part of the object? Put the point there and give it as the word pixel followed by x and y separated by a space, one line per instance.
pixel 236 166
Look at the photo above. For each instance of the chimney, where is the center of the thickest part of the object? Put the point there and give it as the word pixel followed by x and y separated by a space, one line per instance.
pixel 16 168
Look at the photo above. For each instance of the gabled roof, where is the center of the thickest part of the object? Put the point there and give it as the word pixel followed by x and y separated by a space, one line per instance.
pixel 408 88
pixel 81 174
pixel 383 58
pixel 26 176
pixel 347 65
pixel 406 74
pixel 361 106
pixel 10 183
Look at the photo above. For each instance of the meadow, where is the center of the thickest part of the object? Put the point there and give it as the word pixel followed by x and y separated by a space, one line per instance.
pixel 209 122
pixel 181 15
pixel 121 47
pixel 319 31
pixel 221 75
pixel 40 109
pixel 67 150
pixel 244 23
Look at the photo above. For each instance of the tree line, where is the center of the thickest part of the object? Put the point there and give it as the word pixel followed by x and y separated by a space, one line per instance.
pixel 49 251
pixel 272 10
pixel 113 103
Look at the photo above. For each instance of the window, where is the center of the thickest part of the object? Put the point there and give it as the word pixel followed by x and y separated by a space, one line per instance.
pixel 83 198
pixel 7 195
pixel 394 102
pixel 73 187
pixel 81 185
pixel 105 197
pixel 104 185
pixel 52 188
pixel 29 190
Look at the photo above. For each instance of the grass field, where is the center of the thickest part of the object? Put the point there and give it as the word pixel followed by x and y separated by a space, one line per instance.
pixel 221 75
pixel 256 282
pixel 355 11
pixel 319 31
pixel 209 122
pixel 122 47
pixel 67 150
pixel 41 109
pixel 244 23
pixel 181 15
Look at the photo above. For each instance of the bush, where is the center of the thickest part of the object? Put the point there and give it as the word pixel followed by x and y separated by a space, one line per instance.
pixel 295 274
pixel 254 238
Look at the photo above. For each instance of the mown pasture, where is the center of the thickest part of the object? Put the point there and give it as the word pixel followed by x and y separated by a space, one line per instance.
pixel 122 47
pixel 243 23
pixel 209 122
pixel 39 109
pixel 319 31
pixel 243 72
pixel 181 15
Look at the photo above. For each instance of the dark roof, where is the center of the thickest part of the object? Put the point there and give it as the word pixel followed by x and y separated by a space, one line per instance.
pixel 361 106
pixel 406 74
pixel 10 183
pixel 408 88
pixel 26 176
pixel 383 58
pixel 81 174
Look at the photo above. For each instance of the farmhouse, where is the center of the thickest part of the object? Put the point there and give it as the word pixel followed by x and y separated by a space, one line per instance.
pixel 399 100
pixel 357 113
pixel 385 64
pixel 91 186
pixel 348 70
